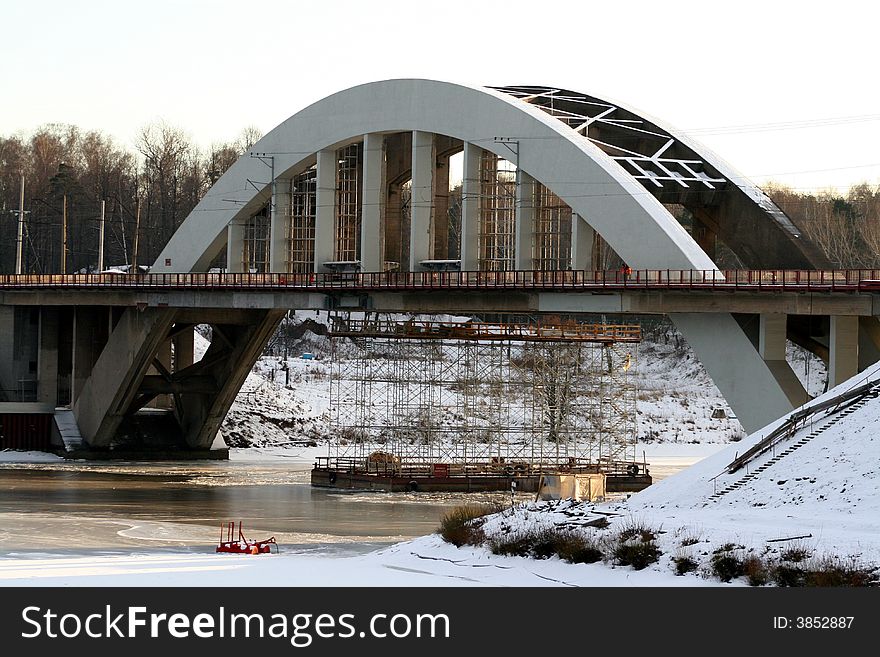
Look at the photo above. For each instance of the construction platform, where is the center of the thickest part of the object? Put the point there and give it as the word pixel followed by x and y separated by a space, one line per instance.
pixel 362 474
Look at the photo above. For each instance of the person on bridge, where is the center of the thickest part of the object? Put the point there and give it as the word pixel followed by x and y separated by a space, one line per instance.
pixel 625 271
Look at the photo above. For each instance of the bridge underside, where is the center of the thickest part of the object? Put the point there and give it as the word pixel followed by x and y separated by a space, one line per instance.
pixel 130 376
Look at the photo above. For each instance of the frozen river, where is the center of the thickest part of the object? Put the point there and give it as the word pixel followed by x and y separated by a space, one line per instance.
pixel 59 506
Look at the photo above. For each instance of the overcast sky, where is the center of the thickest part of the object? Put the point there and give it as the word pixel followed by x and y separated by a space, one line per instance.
pixel 781 90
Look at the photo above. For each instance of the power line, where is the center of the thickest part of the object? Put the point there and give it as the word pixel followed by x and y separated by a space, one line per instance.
pixel 784 125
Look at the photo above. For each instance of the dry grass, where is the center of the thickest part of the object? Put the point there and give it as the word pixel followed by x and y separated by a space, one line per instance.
pixel 463 525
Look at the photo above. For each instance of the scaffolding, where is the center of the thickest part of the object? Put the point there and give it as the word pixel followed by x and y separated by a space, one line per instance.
pixel 255 255
pixel 497 213
pixel 475 395
pixel 348 202
pixel 301 227
pixel 551 242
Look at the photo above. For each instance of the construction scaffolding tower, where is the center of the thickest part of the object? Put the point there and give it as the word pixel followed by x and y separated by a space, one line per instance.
pixel 255 256
pixel 497 213
pixel 348 202
pixel 552 238
pixel 301 236
pixel 539 397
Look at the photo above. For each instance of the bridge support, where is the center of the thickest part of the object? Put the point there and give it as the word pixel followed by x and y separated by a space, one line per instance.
pixel 89 337
pixel 135 368
pixel 771 347
pixel 582 238
pixel 109 392
pixel 184 349
pixel 373 203
pixel 843 344
pixel 422 205
pixel 737 369
pixel 869 342
pixel 470 209
pixel 47 359
pixel 205 391
pixel 325 208
pixel 235 248
pixel 279 226
pixel 524 220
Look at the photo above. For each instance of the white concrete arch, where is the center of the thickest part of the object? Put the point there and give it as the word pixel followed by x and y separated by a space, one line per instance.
pixel 633 222
pixel 576 170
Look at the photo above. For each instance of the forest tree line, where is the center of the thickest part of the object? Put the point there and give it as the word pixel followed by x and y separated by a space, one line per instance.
pixel 154 186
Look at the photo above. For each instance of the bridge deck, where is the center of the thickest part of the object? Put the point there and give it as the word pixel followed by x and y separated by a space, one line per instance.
pixel 765 281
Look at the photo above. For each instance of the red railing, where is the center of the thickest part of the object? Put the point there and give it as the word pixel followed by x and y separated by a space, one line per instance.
pixel 766 280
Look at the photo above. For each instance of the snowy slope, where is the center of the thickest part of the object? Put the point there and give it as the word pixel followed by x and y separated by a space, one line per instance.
pixel 826 489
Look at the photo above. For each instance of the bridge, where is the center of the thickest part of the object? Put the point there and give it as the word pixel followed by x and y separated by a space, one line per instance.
pixel 345 205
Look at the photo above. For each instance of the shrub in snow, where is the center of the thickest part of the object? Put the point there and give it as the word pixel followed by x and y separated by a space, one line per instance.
pixel 568 545
pixel 576 548
pixel 796 553
pixel 726 563
pixel 788 575
pixel 518 544
pixel 756 571
pixel 634 529
pixel 684 564
pixel 636 553
pixel 830 571
pixel 463 525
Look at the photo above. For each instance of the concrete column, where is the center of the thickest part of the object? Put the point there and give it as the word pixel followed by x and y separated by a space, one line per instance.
pixel 47 359
pixel 279 228
pixel 470 209
pixel 163 355
pixel 106 396
pixel 843 344
pixel 772 330
pixel 771 336
pixel 184 349
pixel 373 203
pixel 422 204
pixel 742 376
pixel 235 248
pixel 582 238
pixel 440 225
pixel 869 342
pixel 524 220
pixel 325 211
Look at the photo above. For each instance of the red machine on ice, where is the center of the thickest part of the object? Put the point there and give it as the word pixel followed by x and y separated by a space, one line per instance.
pixel 242 545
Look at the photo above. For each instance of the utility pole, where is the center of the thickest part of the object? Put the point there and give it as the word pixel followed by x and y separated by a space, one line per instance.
pixel 137 230
pixel 18 243
pixel 64 236
pixel 101 240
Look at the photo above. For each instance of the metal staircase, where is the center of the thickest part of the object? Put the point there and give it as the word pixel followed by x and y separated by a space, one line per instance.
pixel 829 412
